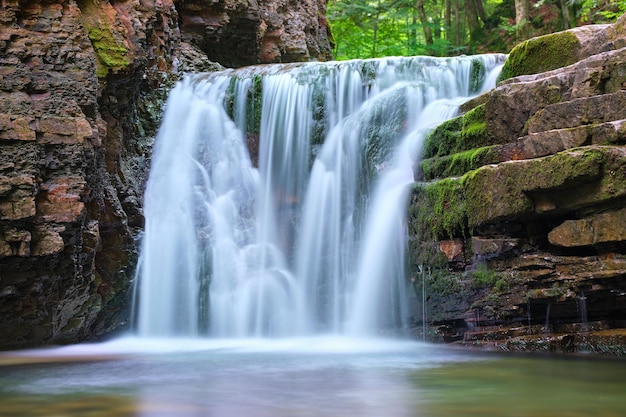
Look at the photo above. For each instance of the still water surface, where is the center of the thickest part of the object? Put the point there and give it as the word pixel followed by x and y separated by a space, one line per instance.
pixel 304 377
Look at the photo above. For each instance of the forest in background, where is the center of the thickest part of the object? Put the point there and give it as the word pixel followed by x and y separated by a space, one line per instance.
pixel 375 28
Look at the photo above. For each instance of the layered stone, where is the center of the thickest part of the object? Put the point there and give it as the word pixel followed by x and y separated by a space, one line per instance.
pixel 598 228
pixel 237 33
pixel 82 84
pixel 523 234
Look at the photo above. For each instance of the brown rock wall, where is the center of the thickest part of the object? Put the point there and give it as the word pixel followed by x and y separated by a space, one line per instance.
pixel 237 33
pixel 81 85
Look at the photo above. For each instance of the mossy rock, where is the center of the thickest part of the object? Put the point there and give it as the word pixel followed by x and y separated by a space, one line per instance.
pixel 459 163
pixel 453 207
pixel 112 54
pixel 386 120
pixel 459 134
pixel 438 210
pixel 443 139
pixel 447 294
pixel 509 190
pixel 541 54
pixel 474 130
pixel 478 73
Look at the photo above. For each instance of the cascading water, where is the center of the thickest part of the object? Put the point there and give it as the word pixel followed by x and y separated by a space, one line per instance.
pixel 313 239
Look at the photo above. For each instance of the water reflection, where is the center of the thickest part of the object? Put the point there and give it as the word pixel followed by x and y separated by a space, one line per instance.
pixel 311 378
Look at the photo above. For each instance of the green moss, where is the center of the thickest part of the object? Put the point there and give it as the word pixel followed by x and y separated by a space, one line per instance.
pixel 444 291
pixel 425 253
pixel 254 102
pixel 458 163
pixel 460 134
pixel 386 121
pixel 483 277
pixel 112 54
pixel 444 138
pixel 477 77
pixel 474 129
pixel 556 291
pixel 541 54
pixel 438 210
pixel 494 193
pixel 255 105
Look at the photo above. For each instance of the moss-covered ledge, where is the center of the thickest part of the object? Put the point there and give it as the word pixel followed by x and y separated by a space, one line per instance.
pixel 459 134
pixel 453 207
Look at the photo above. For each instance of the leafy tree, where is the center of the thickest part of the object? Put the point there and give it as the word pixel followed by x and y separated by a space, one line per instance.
pixel 373 28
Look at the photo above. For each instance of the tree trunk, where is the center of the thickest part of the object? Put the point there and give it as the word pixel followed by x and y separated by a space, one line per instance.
pixel 521 19
pixel 376 22
pixel 447 20
pixel 421 13
pixel 565 14
pixel 413 34
pixel 480 8
pixel 472 19
pixel 457 24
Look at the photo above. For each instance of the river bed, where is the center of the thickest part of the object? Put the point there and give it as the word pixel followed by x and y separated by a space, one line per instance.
pixel 322 376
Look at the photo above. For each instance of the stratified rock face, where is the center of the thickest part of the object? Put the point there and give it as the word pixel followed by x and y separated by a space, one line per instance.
pixel 241 32
pixel 529 188
pixel 81 85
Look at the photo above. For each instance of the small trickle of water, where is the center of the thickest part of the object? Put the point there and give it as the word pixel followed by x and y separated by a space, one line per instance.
pixel 312 237
pixel 582 306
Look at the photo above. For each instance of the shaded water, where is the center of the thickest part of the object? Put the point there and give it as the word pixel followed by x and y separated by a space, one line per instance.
pixel 305 377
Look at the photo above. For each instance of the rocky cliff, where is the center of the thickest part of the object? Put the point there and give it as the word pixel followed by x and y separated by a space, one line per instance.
pixel 81 85
pixel 518 223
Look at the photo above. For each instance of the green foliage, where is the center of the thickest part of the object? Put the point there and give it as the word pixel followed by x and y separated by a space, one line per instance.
pixel 483 277
pixel 598 11
pixel 376 28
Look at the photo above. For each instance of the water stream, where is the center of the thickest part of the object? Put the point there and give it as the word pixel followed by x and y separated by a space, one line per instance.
pixel 311 239
pixel 307 377
pixel 302 239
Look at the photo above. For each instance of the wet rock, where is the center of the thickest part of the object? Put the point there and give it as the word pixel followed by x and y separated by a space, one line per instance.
pixel 492 247
pixel 238 33
pixel 82 86
pixel 539 200
pixel 453 249
pixel 598 228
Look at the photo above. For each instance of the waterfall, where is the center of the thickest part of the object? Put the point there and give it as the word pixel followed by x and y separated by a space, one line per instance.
pixel 277 195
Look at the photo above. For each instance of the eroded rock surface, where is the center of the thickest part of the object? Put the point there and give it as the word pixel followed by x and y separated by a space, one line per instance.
pixel 532 194
pixel 82 83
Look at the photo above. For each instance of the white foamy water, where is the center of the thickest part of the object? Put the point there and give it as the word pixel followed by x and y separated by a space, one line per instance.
pixel 312 239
